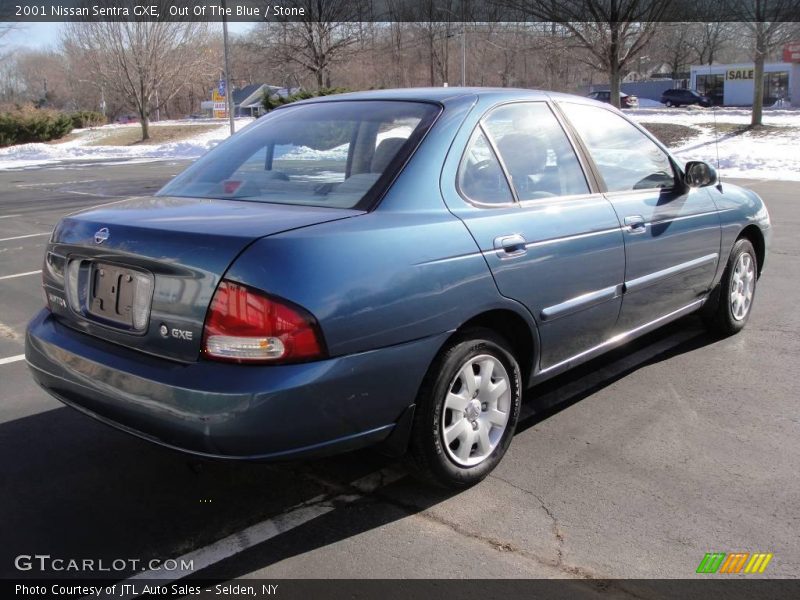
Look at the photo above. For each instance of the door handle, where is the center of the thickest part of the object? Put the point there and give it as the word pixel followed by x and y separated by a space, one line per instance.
pixel 636 224
pixel 510 246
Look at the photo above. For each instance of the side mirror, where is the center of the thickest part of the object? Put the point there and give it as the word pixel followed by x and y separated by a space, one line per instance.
pixel 699 174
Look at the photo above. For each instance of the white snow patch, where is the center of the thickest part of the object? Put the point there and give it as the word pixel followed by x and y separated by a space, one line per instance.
pixel 77 150
pixel 696 115
pixel 340 152
pixel 746 154
pixel 760 155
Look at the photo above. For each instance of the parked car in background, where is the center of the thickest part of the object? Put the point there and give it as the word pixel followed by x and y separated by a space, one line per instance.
pixel 127 119
pixel 625 100
pixel 392 267
pixel 676 97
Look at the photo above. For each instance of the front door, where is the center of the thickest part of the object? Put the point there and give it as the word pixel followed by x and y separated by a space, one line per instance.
pixel 672 234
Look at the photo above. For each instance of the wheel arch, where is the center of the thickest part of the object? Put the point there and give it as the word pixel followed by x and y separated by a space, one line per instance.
pixel 514 329
pixel 753 234
pixel 506 322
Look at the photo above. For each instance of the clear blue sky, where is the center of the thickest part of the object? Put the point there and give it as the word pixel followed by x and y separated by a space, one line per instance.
pixel 44 35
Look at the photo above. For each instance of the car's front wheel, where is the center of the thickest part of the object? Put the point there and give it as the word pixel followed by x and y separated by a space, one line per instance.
pixel 467 410
pixel 669 103
pixel 733 299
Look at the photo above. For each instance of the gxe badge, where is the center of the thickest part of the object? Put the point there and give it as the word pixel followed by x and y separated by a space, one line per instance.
pixel 181 334
pixel 101 235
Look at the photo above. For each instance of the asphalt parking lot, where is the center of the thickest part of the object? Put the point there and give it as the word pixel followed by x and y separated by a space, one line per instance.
pixel 634 466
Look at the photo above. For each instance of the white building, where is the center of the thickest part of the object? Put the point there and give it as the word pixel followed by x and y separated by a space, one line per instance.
pixel 732 85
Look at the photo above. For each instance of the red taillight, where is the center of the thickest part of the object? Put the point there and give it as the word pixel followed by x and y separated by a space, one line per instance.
pixel 245 325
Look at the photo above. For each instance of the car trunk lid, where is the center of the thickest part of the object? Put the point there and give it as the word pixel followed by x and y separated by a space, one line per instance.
pixel 142 272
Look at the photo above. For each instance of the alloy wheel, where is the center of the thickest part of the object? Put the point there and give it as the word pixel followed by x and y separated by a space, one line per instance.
pixel 743 283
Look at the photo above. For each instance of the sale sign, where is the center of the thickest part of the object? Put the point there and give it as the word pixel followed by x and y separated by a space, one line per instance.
pixel 791 52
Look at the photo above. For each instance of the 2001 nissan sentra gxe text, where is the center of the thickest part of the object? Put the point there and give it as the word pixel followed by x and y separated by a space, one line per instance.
pixel 392 266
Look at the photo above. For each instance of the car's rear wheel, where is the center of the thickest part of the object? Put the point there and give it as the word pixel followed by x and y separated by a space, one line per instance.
pixel 669 103
pixel 733 299
pixel 467 410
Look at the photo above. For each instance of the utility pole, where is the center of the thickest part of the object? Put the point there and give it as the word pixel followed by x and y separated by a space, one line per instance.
pixel 228 90
pixel 463 44
pixel 463 53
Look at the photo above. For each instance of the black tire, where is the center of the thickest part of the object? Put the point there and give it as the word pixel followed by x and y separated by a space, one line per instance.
pixel 428 458
pixel 669 103
pixel 718 312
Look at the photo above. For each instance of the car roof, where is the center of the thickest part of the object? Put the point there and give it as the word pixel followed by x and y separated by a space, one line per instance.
pixel 443 95
pixel 595 92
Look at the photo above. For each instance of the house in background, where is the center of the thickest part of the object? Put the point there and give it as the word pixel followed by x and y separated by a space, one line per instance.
pixel 247 99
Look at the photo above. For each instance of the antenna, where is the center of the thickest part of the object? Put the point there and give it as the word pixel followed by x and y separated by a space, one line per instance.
pixel 716 132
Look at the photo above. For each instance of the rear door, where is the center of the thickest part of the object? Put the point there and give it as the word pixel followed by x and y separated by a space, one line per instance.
pixel 551 243
pixel 672 235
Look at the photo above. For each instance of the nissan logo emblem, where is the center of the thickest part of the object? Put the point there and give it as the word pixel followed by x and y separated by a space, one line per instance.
pixel 101 235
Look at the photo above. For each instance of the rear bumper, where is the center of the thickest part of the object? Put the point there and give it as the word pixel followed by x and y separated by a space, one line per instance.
pixel 231 411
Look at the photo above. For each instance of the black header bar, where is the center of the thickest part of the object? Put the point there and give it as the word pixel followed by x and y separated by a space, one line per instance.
pixel 402 10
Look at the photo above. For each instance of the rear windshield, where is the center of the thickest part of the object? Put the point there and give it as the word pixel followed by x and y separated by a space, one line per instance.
pixel 333 154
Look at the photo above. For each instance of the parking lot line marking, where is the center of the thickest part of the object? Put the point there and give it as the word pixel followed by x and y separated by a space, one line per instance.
pixel 88 194
pixel 9 216
pixel 259 533
pixel 51 184
pixel 12 359
pixel 20 237
pixel 20 274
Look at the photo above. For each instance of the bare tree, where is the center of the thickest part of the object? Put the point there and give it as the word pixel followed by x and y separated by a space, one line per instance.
pixel 671 45
pixel 6 28
pixel 135 59
pixel 321 40
pixel 707 39
pixel 769 26
pixel 42 74
pixel 10 86
pixel 614 32
pixel 410 48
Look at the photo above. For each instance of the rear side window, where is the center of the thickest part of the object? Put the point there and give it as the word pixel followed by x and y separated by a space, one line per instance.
pixel 480 176
pixel 535 151
pixel 331 154
pixel 626 157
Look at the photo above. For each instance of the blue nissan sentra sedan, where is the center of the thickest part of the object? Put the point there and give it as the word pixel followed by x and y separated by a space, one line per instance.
pixel 390 267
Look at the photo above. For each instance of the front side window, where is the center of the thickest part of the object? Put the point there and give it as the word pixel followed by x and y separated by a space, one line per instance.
pixel 535 151
pixel 626 158
pixel 330 154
